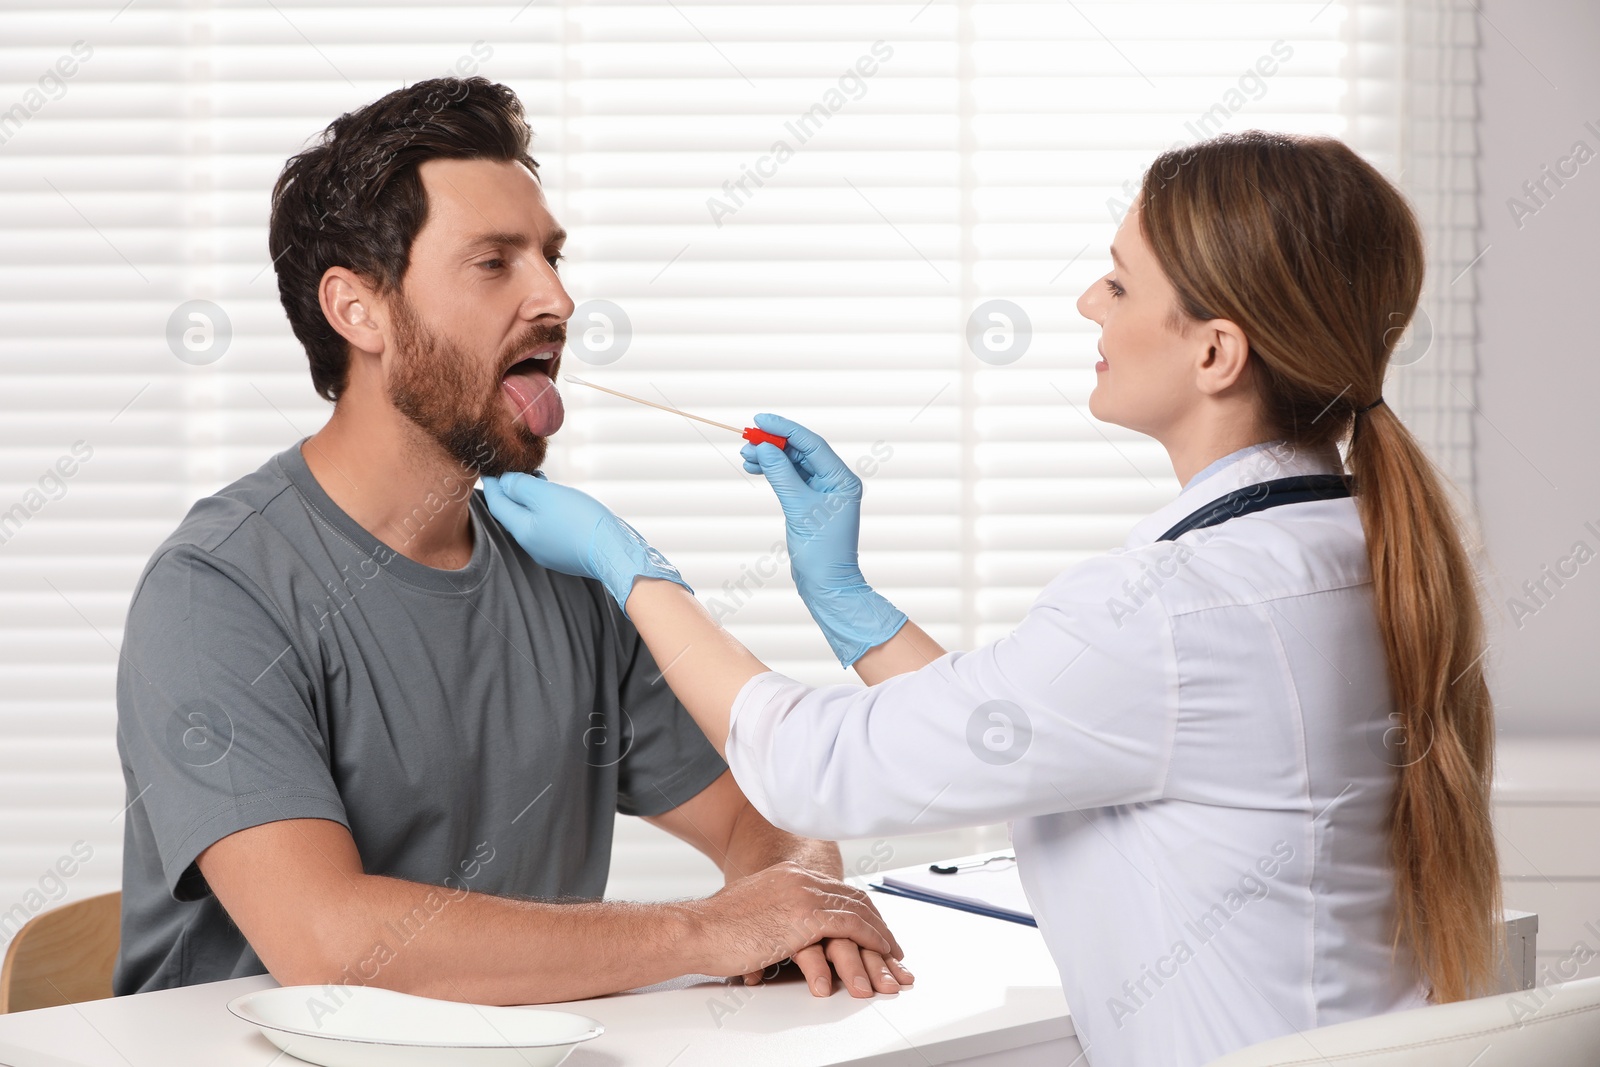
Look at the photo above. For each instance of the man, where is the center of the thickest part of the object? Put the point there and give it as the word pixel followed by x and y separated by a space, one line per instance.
pixel 365 737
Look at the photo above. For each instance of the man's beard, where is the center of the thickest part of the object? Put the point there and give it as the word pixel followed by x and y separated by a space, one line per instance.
pixel 441 388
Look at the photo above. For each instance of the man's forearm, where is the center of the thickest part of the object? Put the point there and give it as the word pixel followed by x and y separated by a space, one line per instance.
pixel 459 945
pixel 755 843
pixel 297 891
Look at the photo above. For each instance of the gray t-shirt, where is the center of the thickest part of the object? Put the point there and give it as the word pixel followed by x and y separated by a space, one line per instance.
pixel 475 729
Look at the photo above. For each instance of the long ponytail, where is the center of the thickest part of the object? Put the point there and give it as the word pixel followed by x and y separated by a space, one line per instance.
pixel 1318 258
pixel 1441 841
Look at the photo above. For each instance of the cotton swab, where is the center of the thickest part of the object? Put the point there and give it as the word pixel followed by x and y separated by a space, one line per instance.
pixel 750 433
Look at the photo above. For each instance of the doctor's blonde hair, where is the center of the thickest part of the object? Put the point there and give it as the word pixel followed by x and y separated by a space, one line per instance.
pixel 1319 260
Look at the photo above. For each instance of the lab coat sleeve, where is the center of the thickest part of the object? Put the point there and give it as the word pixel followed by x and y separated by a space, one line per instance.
pixel 1076 708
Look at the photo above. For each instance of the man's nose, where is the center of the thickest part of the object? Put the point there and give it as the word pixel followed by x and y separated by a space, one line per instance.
pixel 546 297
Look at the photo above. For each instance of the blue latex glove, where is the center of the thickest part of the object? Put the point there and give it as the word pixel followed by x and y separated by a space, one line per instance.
pixel 570 531
pixel 821 501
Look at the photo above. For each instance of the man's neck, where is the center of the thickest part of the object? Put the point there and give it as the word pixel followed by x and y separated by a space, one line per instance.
pixel 396 482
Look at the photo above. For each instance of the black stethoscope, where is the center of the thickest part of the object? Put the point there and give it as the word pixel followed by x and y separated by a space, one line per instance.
pixel 1259 497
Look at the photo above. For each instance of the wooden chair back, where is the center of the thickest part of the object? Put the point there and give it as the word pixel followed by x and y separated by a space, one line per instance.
pixel 63 956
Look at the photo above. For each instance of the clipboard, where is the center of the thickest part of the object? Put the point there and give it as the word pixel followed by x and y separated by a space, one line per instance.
pixel 985 884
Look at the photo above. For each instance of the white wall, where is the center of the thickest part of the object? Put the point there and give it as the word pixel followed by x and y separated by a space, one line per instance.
pixel 1538 438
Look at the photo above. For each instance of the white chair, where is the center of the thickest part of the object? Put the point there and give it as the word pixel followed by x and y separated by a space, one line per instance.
pixel 1547 1026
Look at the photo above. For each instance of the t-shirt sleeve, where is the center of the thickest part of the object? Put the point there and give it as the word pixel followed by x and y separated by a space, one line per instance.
pixel 669 760
pixel 216 720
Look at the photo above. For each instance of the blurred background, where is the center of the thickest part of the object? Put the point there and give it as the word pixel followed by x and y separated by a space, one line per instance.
pixel 873 218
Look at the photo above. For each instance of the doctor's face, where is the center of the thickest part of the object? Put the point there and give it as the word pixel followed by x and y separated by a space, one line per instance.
pixel 1140 381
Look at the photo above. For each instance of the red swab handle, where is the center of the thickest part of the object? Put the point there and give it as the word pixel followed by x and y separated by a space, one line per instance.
pixel 756 437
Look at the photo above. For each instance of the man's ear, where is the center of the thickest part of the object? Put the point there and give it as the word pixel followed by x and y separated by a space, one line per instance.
pixel 348 303
pixel 1225 356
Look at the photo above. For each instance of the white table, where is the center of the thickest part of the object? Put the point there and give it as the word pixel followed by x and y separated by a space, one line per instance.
pixel 986 992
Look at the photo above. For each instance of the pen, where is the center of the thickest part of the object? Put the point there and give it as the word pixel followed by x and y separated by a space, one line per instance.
pixel 952 868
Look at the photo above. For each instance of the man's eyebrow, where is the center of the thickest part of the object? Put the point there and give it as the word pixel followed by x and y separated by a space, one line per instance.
pixel 511 239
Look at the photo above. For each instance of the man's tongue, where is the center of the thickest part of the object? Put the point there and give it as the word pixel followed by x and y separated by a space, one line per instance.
pixel 535 400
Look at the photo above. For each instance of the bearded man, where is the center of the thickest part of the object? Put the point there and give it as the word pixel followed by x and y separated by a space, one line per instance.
pixel 366 738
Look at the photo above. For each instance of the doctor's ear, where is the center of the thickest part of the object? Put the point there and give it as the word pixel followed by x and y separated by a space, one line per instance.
pixel 347 303
pixel 1224 353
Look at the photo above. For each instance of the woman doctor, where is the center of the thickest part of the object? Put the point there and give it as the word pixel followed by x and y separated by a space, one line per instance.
pixel 1246 757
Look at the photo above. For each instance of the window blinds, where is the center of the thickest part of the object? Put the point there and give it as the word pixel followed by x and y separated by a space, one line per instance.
pixel 873 218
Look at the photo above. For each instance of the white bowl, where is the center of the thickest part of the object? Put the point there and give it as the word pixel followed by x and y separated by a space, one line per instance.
pixel 364 1026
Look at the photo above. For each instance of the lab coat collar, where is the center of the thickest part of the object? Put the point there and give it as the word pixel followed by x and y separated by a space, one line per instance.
pixel 1278 460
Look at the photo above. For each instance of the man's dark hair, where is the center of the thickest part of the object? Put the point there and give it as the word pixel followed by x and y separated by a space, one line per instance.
pixel 354 199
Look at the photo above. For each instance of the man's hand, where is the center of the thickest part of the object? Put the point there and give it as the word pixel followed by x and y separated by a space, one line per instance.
pixel 720 822
pixel 862 970
pixel 785 911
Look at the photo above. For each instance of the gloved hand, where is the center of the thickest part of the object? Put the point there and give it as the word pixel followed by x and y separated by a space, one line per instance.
pixel 821 501
pixel 570 531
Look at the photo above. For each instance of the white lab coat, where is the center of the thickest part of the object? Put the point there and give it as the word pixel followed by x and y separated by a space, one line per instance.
pixel 1188 738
